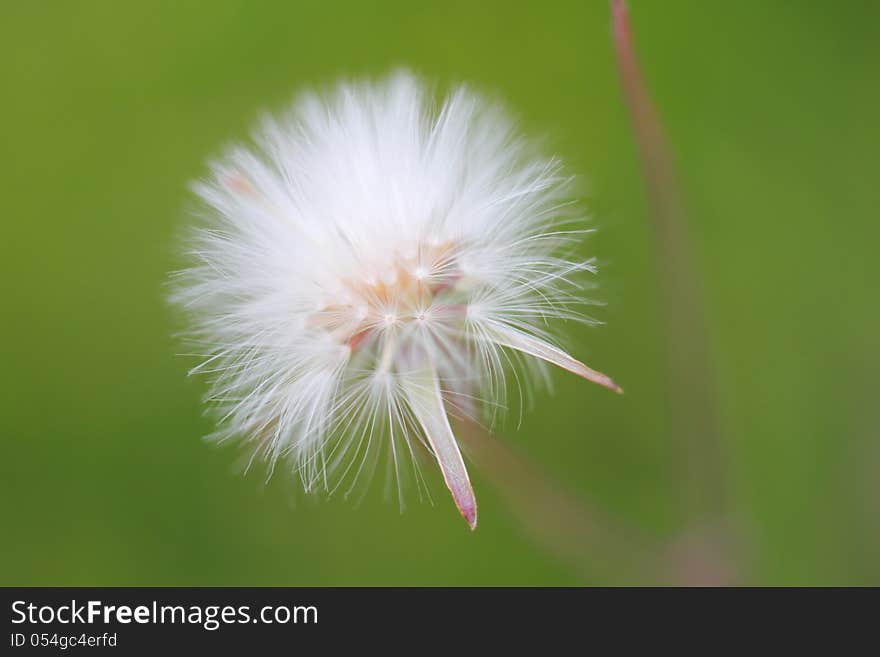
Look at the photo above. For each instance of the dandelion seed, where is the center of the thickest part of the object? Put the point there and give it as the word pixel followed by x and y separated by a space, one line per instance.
pixel 367 270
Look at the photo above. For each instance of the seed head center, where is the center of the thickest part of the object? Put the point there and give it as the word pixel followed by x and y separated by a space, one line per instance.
pixel 403 292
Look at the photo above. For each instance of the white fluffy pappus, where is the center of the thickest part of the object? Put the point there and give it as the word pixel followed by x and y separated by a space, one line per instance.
pixel 368 270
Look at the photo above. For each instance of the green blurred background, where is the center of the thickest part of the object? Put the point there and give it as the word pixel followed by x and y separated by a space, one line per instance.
pixel 109 109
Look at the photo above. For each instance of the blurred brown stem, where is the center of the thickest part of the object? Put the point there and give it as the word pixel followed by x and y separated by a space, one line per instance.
pixel 690 384
pixel 581 537
pixel 590 543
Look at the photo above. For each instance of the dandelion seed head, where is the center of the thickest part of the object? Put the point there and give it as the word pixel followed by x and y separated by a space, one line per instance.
pixel 366 268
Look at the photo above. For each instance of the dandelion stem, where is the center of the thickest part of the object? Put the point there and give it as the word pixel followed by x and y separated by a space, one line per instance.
pixel 689 371
pixel 591 543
